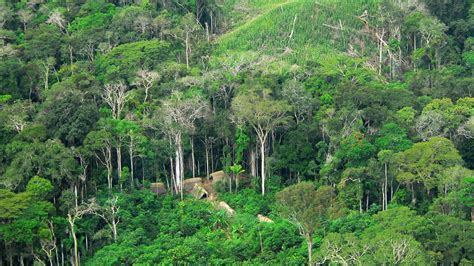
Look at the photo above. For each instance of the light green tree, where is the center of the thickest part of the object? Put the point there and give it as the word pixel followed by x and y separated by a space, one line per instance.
pixel 263 114
pixel 425 162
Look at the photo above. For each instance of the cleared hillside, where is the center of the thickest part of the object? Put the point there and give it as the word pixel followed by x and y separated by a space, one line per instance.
pixel 303 30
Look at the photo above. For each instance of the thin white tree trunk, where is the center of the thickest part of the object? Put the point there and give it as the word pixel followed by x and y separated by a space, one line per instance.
pixel 130 152
pixel 207 162
pixel 73 233
pixel 177 171
pixel 181 161
pixel 192 158
pixel 309 240
pixel 263 138
pixel 253 168
pixel 119 162
pixel 187 49
pixel 173 177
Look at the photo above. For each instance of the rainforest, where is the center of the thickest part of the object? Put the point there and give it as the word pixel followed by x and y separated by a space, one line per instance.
pixel 236 132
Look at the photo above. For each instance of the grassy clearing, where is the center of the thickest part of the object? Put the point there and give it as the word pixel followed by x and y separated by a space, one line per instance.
pixel 301 30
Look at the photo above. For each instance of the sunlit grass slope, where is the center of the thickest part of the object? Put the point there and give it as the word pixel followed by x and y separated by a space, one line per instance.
pixel 300 30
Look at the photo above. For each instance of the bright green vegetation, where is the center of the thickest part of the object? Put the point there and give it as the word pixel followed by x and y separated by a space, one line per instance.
pixel 237 132
pixel 301 31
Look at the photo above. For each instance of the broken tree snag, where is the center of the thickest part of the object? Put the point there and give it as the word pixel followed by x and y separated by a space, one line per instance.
pixel 339 27
pixel 293 27
pixel 224 206
pixel 264 219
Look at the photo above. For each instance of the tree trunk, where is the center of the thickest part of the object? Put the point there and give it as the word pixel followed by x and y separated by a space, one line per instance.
pixel 143 171
pixel 192 158
pixel 75 195
pixel 119 161
pixel 173 177
pixel 380 56
pixel 9 256
pixel 391 188
pixel 46 78
pixel 383 197
pixel 62 254
pixel 414 49
pixel 309 240
pixel 367 202
pixel 73 233
pixel 114 229
pixel 56 256
pixel 108 165
pixel 187 48
pixel 253 168
pixel 177 171
pixel 207 162
pixel 181 161
pixel 262 166
pixel 130 152
pixel 71 58
pixel 179 164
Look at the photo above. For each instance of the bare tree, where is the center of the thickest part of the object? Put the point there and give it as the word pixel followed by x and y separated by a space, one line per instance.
pixel 177 117
pixel 77 214
pixel 143 23
pixel 88 49
pixel 101 143
pixel 116 95
pixel 109 213
pixel 48 244
pixel 18 115
pixel 299 99
pixel 47 65
pixel 56 18
pixel 25 17
pixel 146 79
pixel 208 141
pixel 466 130
pixel 186 33
pixel 430 124
pixel 5 15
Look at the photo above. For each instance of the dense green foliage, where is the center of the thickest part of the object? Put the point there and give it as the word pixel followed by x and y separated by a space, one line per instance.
pixel 344 131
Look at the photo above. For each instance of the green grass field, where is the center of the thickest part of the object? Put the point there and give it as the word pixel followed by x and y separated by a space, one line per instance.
pixel 301 30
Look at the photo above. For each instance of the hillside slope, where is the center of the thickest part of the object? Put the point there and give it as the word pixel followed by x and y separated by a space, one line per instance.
pixel 301 30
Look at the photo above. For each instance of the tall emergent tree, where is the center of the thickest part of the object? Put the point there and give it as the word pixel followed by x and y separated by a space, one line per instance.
pixel 116 96
pixel 177 116
pixel 424 162
pixel 263 114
